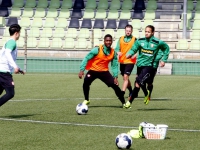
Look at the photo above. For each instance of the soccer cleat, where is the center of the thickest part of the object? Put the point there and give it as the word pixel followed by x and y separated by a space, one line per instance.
pixel 128 105
pixel 86 102
pixel 147 98
pixel 123 105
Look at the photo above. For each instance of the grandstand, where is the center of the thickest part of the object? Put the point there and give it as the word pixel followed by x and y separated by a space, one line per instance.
pixel 63 31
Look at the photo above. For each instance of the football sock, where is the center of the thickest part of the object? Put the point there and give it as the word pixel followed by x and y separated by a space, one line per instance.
pixel 144 89
pixel 118 92
pixel 134 94
pixel 86 89
pixel 130 89
pixel 9 94
pixel 150 88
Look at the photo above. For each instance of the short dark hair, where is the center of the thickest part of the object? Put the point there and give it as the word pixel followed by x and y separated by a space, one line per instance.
pixel 152 27
pixel 129 26
pixel 107 35
pixel 14 28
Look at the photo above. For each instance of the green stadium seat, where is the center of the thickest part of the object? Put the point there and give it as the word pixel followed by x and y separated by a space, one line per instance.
pixel 97 34
pixel 150 15
pixel 66 4
pixel 125 14
pixel 40 13
pixel 146 23
pixel 182 44
pixel 109 31
pixel 115 5
pixel 18 4
pixel 197 8
pixel 22 32
pixel 56 43
pixel 113 14
pixel 136 33
pixel 44 43
pixel 27 12
pixel 15 12
pixel 71 33
pixel 59 33
pixel 20 42
pixel 100 14
pixel 196 25
pixel 30 4
pixel 68 43
pixel 81 43
pixel 37 22
pixel 49 23
pixel 46 32
pixel 195 35
pixel 96 42
pixel 54 4
pixel 32 42
pixel 64 13
pixel 151 5
pixel 103 4
pixel 119 33
pixel 25 22
pixel 6 32
pixel 84 33
pixel 88 14
pixel 190 5
pixel 127 5
pixel 42 4
pixel 52 13
pixel 3 40
pixel 61 23
pixel 136 23
pixel 194 45
pixel 91 4
pixel 34 32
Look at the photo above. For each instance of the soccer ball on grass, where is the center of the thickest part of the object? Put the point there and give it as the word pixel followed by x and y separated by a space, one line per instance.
pixel 81 109
pixel 123 141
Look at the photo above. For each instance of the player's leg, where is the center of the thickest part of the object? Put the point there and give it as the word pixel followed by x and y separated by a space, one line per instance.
pixel 107 78
pixel 89 78
pixel 10 92
pixel 150 84
pixel 1 89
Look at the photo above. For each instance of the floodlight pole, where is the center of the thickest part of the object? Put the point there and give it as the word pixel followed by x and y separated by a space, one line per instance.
pixel 185 19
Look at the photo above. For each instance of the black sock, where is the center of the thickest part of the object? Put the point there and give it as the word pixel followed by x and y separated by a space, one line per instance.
pixel 134 94
pixel 144 89
pixel 86 89
pixel 119 93
pixel 150 88
pixel 9 94
pixel 130 89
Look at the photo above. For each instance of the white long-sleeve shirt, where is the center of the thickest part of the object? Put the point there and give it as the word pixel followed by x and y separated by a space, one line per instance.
pixel 8 56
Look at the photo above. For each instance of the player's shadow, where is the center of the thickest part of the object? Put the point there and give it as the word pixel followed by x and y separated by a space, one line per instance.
pixel 20 116
pixel 155 109
pixel 106 106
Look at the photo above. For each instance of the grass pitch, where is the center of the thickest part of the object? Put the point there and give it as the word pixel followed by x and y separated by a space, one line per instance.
pixel 42 114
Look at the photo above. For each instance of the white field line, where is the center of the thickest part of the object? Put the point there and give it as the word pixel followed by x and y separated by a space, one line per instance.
pixel 87 125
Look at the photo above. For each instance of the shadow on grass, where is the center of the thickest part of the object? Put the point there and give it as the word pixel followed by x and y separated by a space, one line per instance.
pixel 153 109
pixel 20 116
pixel 107 106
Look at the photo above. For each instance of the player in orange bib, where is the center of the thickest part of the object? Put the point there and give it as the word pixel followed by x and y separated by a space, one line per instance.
pixel 97 62
pixel 124 44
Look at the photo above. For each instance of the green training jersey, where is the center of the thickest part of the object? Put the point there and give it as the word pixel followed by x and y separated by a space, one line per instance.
pixel 148 49
pixel 157 59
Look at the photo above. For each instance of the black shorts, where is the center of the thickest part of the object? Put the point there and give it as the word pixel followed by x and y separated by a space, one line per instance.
pixel 144 74
pixel 153 74
pixel 126 69
pixel 6 80
pixel 104 76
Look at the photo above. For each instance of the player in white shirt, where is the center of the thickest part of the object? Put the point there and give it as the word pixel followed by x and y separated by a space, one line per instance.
pixel 8 56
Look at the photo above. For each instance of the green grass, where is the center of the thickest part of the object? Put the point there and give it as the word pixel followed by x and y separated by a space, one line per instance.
pixel 52 98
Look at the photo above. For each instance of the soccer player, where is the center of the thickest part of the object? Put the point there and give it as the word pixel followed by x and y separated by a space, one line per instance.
pixel 147 49
pixel 126 65
pixel 8 56
pixel 97 61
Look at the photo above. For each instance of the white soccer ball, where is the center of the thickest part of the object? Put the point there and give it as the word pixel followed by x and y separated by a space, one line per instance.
pixel 81 109
pixel 123 141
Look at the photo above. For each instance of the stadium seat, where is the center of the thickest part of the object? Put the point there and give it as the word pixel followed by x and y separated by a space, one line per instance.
pixel 109 31
pixel 119 33
pixel 86 23
pixel 197 7
pixel 113 14
pixel 151 5
pixel 68 43
pixel 182 44
pixel 97 34
pixel 6 3
pixel 91 4
pixel 64 13
pixel 24 22
pixel 37 22
pixel 32 42
pixel 74 23
pixel 59 33
pixel 95 42
pixel 188 25
pixel 40 13
pixel 114 44
pixel 127 5
pixel 194 45
pixel 12 20
pixel 168 36
pixel 190 5
pixel 150 15
pixel 150 22
pixel 46 32
pixel 115 5
pixel 76 13
pixel 61 23
pixel 27 12
pixel 195 35
pixel 6 32
pixel 3 40
pixel 140 5
pixel 49 23
pixel 136 23
pixel 136 33
pixel 66 4
pixel 30 4
pixel 43 43
pixel 22 32
pixel 4 12
pixel 81 43
pixel 125 14
pixel 103 4
pixel 79 4
pixel 18 4
pixel 56 43
pixel 84 33
pixel 196 25
pixel 111 22
pixel 54 4
pixel 122 23
pixel 99 22
pixel 71 33
pixel 34 32
pixel 137 14
pixel 20 42
pixel 52 13
pixel 42 4
pixel 88 14
pixel 15 12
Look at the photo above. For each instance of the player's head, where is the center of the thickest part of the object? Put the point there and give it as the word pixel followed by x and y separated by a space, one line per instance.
pixel 14 30
pixel 149 31
pixel 128 29
pixel 108 40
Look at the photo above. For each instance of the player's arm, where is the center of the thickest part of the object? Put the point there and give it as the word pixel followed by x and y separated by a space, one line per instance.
pixel 114 67
pixel 166 50
pixel 117 49
pixel 133 49
pixel 89 56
